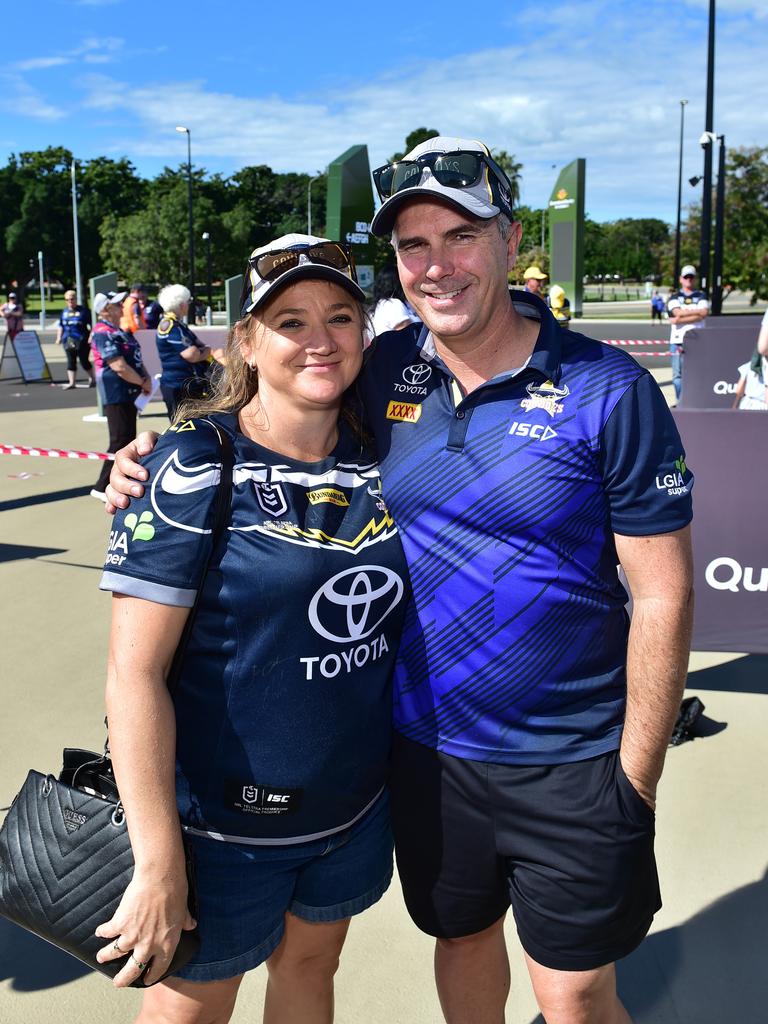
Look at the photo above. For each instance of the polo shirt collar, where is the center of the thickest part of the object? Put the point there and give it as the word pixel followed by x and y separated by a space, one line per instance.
pixel 546 355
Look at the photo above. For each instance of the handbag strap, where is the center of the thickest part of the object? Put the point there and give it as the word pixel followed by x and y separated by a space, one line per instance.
pixel 221 515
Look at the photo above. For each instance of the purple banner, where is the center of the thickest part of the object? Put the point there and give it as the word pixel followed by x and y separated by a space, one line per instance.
pixel 711 364
pixel 726 451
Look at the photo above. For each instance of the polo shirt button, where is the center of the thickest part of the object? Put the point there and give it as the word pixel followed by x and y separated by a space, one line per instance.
pixel 460 414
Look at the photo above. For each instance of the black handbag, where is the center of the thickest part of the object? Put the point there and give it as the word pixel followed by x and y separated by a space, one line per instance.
pixel 65 852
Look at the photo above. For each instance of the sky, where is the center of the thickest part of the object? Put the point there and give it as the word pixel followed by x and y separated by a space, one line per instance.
pixel 294 84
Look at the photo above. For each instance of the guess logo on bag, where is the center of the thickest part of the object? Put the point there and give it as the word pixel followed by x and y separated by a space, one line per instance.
pixel 73 820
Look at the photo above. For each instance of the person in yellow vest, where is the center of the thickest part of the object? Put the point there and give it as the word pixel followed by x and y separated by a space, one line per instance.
pixel 132 318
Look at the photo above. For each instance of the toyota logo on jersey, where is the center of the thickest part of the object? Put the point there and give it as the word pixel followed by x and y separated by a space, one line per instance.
pixel 354 603
pixel 417 373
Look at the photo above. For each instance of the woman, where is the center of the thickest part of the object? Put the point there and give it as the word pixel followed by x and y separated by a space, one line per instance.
pixel 279 737
pixel 390 312
pixel 122 377
pixel 183 356
pixel 73 332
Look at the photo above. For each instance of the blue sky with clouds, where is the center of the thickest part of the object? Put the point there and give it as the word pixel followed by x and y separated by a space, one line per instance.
pixel 293 84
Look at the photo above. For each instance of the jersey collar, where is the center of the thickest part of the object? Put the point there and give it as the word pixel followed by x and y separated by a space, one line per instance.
pixel 546 356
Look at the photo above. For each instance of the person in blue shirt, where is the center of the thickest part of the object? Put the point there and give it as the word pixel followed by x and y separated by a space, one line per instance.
pixel 123 377
pixel 73 332
pixel 275 749
pixel 183 356
pixel 523 464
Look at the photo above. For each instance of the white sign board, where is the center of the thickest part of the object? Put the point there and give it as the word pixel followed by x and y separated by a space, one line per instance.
pixel 30 357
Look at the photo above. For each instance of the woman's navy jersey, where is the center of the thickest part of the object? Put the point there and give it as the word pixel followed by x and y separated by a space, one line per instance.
pixel 75 324
pixel 172 338
pixel 284 703
pixel 110 343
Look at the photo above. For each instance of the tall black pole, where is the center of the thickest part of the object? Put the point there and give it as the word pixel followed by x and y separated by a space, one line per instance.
pixel 207 237
pixel 676 271
pixel 706 199
pixel 717 269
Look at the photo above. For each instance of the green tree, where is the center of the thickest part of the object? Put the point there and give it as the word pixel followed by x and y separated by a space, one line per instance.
pixel 745 245
pixel 105 188
pixel 512 169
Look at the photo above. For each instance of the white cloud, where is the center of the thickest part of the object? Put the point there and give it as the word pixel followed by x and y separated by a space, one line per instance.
pixel 39 63
pixel 19 99
pixel 594 83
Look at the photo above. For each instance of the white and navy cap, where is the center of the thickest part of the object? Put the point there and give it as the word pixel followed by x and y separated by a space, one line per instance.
pixel 488 197
pixel 102 300
pixel 257 289
pixel 688 271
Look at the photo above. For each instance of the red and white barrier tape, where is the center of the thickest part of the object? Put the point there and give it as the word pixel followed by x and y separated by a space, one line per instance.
pixel 52 453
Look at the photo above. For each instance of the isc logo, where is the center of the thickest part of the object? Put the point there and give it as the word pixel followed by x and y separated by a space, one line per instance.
pixel 536 431
pixel 277 798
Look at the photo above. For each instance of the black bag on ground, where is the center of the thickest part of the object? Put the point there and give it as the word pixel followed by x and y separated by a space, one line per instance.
pixel 66 860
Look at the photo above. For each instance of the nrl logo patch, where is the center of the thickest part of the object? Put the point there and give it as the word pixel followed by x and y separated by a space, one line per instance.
pixel 271 499
pixel 407 412
pixel 250 794
pixel 545 396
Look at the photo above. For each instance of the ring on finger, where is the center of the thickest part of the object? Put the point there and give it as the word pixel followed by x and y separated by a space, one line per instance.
pixel 138 963
pixel 117 947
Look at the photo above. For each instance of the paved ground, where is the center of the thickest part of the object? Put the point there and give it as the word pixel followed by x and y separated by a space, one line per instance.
pixel 703 962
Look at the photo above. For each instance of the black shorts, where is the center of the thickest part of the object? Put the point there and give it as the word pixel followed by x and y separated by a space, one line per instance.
pixel 569 847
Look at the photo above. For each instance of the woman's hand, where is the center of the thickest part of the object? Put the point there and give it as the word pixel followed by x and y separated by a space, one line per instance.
pixel 127 470
pixel 147 925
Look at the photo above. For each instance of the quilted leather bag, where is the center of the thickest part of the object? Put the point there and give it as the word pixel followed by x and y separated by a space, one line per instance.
pixel 66 860
pixel 65 852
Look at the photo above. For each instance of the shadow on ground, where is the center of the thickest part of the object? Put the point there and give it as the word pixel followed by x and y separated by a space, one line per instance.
pixel 744 675
pixel 43 499
pixel 708 970
pixel 13 552
pixel 31 964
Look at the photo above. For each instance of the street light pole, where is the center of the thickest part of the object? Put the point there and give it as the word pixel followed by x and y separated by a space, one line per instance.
pixel 207 240
pixel 676 270
pixel 76 235
pixel 706 199
pixel 717 269
pixel 41 274
pixel 181 128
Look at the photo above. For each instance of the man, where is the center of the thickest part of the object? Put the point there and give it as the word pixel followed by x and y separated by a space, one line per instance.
pixel 687 308
pixel 73 332
pixel 13 311
pixel 534 279
pixel 132 318
pixel 518 461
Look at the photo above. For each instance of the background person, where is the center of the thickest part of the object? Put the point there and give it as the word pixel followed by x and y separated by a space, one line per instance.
pixel 132 314
pixel 13 311
pixel 276 708
pixel 153 311
pixel 688 308
pixel 73 332
pixel 390 311
pixel 123 377
pixel 183 356
pixel 534 279
pixel 559 305
pixel 658 306
pixel 752 389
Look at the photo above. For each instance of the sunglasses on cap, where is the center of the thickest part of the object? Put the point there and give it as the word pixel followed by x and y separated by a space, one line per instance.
pixel 270 266
pixel 461 168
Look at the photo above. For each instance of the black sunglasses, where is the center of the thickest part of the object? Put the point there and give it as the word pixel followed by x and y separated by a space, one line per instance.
pixel 461 168
pixel 269 266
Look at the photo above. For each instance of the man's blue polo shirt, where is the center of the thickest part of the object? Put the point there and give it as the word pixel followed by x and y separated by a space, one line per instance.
pixel 514 645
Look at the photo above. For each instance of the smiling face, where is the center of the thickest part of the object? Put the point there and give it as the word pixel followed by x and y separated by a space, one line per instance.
pixel 453 269
pixel 307 346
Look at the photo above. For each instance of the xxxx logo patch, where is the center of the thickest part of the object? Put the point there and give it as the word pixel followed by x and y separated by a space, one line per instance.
pixel 407 412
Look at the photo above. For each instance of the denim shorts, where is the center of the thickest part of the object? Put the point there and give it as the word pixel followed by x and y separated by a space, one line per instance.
pixel 244 892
